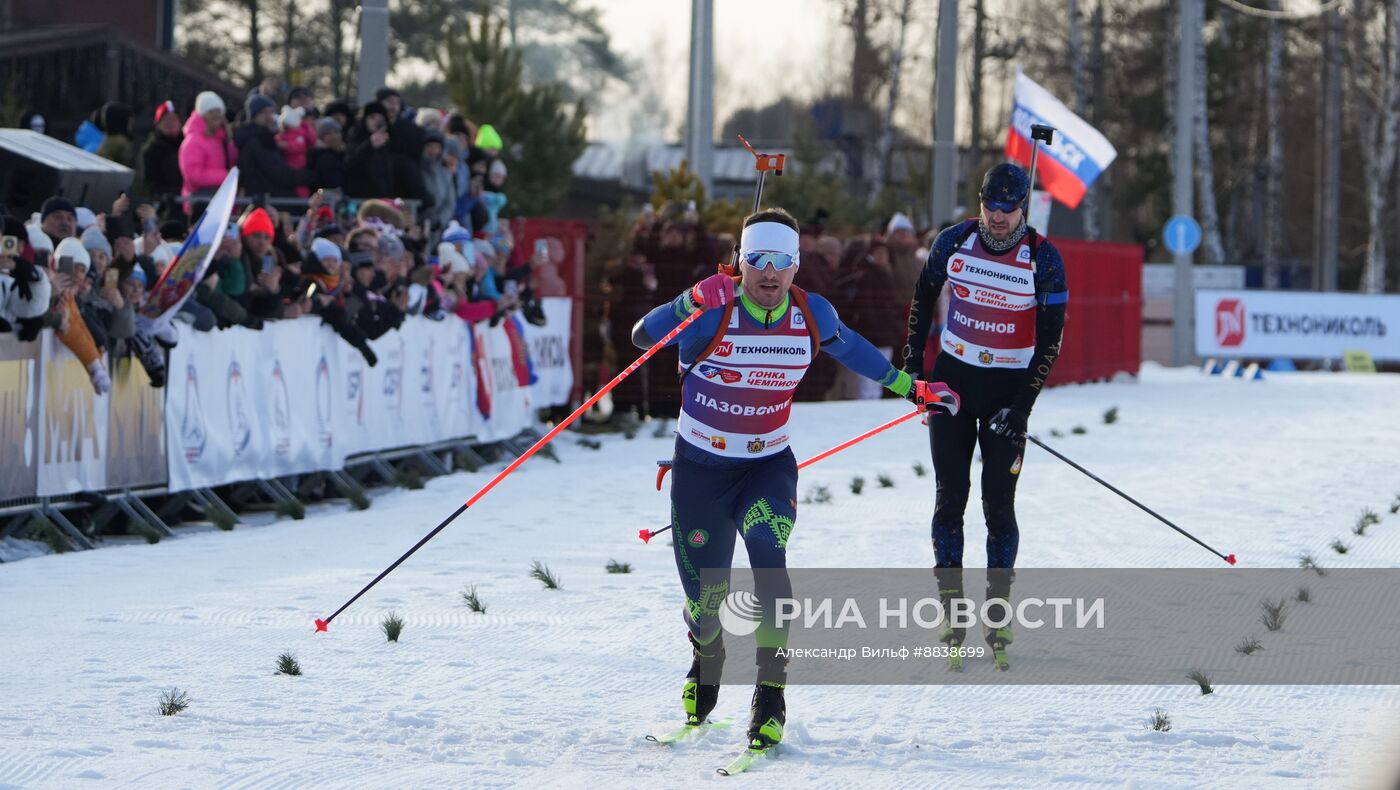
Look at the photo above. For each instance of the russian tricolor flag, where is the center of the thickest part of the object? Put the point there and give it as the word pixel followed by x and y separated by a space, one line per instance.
pixel 1079 155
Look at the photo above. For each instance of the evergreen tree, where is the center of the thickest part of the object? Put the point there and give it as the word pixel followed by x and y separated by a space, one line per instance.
pixel 544 133
pixel 682 186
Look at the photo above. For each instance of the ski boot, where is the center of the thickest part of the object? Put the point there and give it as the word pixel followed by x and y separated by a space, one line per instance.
pixel 998 638
pixel 950 636
pixel 701 690
pixel 769 708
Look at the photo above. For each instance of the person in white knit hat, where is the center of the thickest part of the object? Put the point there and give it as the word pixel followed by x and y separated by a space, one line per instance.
pixel 207 153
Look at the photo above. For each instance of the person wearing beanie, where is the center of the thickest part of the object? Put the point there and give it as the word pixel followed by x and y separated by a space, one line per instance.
pixel 999 273
pixel 369 162
pixel 174 229
pixel 342 111
pixel 24 288
pixel 300 97
pixel 453 158
pixel 332 274
pixel 294 144
pixel 391 99
pixel 94 241
pixel 225 283
pixel 326 251
pixel 207 153
pixel 405 136
pixel 456 235
pixel 461 130
pixel 430 118
pixel 326 159
pixel 323 267
pixel 33 121
pixel 83 218
pixel 160 155
pixel 255 106
pixel 270 88
pixel 257 221
pixel 437 182
pixel 72 327
pixel 496 176
pixel 116 122
pixel 489 140
pixel 58 218
pixel 109 316
pixel 71 252
pixel 261 168
pixel 902 238
pixel 263 267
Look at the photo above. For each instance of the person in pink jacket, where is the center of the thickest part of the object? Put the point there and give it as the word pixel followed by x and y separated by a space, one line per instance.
pixel 208 152
pixel 293 141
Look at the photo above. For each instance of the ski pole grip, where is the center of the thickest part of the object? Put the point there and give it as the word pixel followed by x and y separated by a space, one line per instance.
pixel 936 394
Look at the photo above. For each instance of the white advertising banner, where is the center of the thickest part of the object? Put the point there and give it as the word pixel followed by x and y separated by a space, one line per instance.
pixel 72 424
pixel 349 395
pixel 381 417
pixel 211 410
pixel 509 409
pixel 293 377
pixel 454 385
pixel 295 398
pixel 549 353
pixel 1299 325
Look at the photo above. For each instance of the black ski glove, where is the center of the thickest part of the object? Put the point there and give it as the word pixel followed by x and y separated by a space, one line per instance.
pixel 1011 424
pixel 29 328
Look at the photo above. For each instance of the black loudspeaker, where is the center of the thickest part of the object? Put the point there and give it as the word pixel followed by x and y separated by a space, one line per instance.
pixel 34 167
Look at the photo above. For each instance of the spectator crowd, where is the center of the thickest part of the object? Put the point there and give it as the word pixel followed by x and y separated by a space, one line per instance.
pixel 386 211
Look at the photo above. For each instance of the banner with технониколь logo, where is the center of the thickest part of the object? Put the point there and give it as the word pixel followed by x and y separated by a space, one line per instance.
pixel 1299 325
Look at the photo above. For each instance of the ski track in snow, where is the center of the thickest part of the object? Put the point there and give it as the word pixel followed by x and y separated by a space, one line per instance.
pixel 557 688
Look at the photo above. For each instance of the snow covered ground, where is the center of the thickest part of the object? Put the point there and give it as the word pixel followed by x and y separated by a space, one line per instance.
pixel 557 688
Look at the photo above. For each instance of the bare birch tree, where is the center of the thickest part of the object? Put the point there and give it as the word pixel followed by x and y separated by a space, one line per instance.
pixel 1211 245
pixel 1375 89
pixel 882 164
pixel 1273 152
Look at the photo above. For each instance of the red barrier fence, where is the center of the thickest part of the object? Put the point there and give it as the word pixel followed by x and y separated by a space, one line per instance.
pixel 1103 327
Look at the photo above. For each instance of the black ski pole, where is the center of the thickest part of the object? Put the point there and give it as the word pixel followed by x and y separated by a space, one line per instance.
pixel 1230 558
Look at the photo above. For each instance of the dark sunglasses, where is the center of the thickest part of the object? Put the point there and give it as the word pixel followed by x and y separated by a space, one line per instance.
pixel 1004 206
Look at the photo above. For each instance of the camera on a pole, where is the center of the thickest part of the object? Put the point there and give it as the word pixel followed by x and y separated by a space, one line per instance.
pixel 1042 132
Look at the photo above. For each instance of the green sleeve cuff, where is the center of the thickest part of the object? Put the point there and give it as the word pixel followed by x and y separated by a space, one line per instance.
pixel 903 382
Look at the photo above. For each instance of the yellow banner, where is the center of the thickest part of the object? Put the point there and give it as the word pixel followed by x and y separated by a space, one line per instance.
pixel 135 429
pixel 18 401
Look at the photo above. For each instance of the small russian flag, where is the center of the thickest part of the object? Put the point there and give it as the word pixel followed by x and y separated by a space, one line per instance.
pixel 1079 155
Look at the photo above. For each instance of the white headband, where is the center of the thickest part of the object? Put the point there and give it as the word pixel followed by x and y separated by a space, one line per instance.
pixel 769 237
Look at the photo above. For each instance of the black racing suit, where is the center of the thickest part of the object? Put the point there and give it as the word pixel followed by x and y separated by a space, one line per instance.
pixel 983 391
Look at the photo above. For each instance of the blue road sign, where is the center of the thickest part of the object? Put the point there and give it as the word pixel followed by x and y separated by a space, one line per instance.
pixel 1182 235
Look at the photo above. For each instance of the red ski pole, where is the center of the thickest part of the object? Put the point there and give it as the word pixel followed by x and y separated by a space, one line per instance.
pixel 321 625
pixel 856 440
